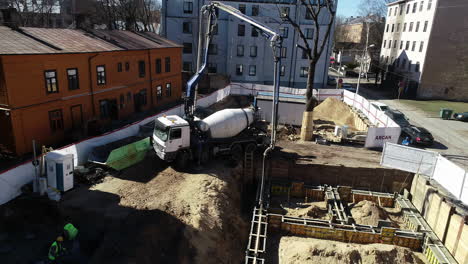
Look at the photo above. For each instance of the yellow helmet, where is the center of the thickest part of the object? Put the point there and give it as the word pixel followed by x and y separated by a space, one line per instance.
pixel 60 239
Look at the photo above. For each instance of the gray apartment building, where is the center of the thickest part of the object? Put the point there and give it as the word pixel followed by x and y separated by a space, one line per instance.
pixel 238 50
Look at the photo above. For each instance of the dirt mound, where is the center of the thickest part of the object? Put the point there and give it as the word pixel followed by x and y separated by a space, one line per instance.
pixel 309 250
pixel 335 111
pixel 368 213
pixel 177 218
pixel 316 210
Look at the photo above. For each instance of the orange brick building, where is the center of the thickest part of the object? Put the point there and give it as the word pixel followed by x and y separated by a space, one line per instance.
pixel 57 82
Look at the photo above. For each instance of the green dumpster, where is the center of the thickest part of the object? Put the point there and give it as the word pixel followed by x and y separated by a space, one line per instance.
pixel 446 113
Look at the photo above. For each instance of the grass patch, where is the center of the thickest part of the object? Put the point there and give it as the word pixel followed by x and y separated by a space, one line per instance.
pixel 433 107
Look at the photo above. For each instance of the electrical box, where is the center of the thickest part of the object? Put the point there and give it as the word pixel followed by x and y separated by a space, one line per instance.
pixel 59 170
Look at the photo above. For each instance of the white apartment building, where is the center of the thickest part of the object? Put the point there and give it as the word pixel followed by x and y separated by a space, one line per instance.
pixel 238 50
pixel 421 48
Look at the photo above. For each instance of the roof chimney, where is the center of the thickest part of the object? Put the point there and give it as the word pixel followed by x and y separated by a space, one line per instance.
pixel 11 18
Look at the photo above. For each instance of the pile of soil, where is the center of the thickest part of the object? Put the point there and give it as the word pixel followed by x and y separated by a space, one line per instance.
pixel 334 111
pixel 368 213
pixel 176 218
pixel 315 210
pixel 308 250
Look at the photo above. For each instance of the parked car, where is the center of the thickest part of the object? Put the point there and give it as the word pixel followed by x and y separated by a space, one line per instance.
pixel 331 81
pixel 349 87
pixel 380 106
pixel 398 117
pixel 418 135
pixel 461 116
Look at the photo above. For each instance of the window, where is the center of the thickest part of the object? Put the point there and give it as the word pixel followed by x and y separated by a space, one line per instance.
pixel 421 46
pixel 416 67
pixel 415 7
pixel 254 32
pixel 401 44
pixel 394 44
pixel 239 69
pixel 187 66
pixel 393 27
pixel 386 60
pixel 409 65
pixel 158 66
pixel 282 70
pixel 414 46
pixel 253 51
pixel 168 90
pixel 119 67
pixel 255 10
pixel 389 12
pixel 101 74
pixel 143 97
pixel 309 33
pixel 188 7
pixel 212 68
pixel 429 5
pixel 284 11
pixel 408 6
pixel 385 43
pixel 425 26
pixel 252 70
pixel 187 27
pixel 308 15
pixel 175 133
pixel 421 6
pixel 187 48
pixel 417 27
pixel 159 91
pixel 129 97
pixel 127 66
pixel 242 8
pixel 240 30
pixel 407 45
pixel 167 61
pixel 403 64
pixel 104 108
pixel 122 101
pixel 51 81
pixel 401 9
pixel 404 27
pixel 410 27
pixel 390 44
pixel 240 50
pixel 213 49
pixel 398 27
pixel 388 26
pixel 72 76
pixel 284 32
pixel 304 72
pixel 396 11
pixel 141 69
pixel 304 55
pixel 283 52
pixel 56 120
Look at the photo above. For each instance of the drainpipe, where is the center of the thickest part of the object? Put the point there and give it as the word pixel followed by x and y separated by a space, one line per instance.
pixel 150 76
pixel 91 83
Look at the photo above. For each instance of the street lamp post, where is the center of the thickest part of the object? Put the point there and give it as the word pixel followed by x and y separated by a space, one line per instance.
pixel 360 66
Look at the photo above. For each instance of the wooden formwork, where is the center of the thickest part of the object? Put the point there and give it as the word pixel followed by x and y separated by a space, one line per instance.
pixel 380 200
pixel 345 233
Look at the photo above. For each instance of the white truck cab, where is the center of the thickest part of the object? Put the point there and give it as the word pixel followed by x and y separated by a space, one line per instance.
pixel 171 134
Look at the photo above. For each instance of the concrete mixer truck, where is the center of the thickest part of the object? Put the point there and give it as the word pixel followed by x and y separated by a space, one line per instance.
pixel 229 131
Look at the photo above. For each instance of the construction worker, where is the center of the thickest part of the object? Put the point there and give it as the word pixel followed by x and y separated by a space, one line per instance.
pixel 70 232
pixel 56 250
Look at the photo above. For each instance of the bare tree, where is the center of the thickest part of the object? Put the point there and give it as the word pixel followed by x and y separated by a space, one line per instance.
pixel 376 8
pixel 321 12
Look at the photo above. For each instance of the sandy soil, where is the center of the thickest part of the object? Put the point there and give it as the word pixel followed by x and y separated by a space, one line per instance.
pixel 335 112
pixel 293 250
pixel 315 210
pixel 369 213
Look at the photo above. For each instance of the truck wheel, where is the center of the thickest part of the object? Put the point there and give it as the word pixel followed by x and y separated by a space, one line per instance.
pixel 237 152
pixel 182 160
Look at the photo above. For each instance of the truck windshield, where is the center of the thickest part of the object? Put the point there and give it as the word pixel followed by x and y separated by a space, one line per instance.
pixel 160 130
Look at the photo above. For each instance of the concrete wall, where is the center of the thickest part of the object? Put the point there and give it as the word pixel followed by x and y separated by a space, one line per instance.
pixel 443 216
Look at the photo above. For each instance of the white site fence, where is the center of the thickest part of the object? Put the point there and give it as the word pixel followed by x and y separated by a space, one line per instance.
pixel 428 163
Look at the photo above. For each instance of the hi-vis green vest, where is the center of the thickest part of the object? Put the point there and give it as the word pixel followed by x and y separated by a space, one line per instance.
pixel 55 250
pixel 71 231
